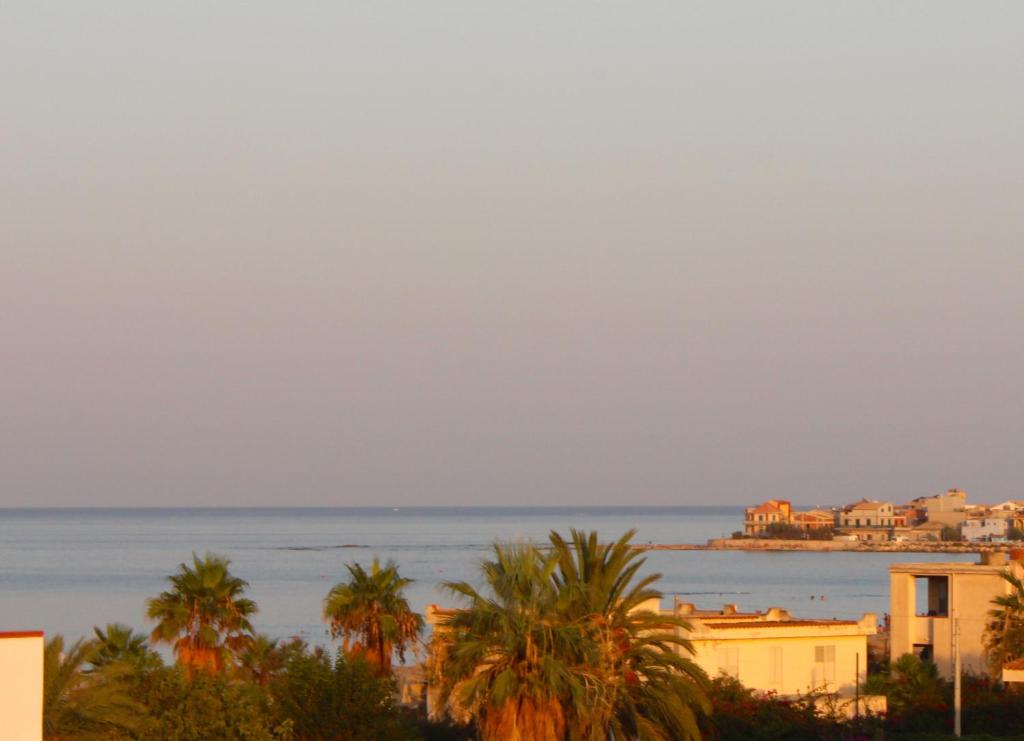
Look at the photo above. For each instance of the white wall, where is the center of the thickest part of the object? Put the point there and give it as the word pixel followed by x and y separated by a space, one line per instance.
pixel 21 686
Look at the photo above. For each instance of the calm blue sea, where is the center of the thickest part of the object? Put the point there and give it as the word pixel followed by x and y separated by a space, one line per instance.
pixel 66 570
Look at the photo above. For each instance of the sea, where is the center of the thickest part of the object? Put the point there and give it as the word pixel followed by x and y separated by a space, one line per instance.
pixel 67 570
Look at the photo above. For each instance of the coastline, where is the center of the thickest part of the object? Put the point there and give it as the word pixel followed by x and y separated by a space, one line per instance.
pixel 824 546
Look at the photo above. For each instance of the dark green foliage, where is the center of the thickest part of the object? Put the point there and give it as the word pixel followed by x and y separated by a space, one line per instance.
pixel 918 699
pixel 84 704
pixel 118 643
pixel 325 699
pixel 437 730
pixel 785 531
pixel 1004 630
pixel 204 707
pixel 990 708
pixel 919 702
pixel 950 534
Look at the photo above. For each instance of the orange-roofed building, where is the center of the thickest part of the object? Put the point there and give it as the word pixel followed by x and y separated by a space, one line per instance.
pixel 757 519
pixel 815 519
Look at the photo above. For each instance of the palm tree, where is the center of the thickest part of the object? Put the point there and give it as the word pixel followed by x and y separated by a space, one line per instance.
pixel 505 659
pixel 371 609
pixel 561 647
pixel 203 616
pixel 82 704
pixel 649 687
pixel 264 658
pixel 1004 632
pixel 118 643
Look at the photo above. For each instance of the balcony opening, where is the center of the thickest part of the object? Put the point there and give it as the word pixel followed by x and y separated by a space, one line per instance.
pixel 932 596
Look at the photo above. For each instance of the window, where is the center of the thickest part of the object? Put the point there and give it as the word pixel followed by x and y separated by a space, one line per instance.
pixel 824 672
pixel 729 661
pixel 932 595
pixel 775 667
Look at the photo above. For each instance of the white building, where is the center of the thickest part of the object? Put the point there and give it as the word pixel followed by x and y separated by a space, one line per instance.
pixel 987 528
pixel 21 686
pixel 775 652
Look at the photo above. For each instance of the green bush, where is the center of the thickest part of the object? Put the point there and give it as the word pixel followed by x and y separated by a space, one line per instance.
pixel 205 707
pixel 324 699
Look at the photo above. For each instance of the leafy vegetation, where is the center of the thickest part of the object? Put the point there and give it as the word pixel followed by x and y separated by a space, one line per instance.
pixel 320 698
pixel 1004 631
pixel 742 713
pixel 918 699
pixel 559 643
pixel 560 646
pixel 80 700
pixel 785 531
pixel 372 616
pixel 204 615
pixel 950 534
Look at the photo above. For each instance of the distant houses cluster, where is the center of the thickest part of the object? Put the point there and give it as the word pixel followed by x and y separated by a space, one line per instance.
pixel 946 516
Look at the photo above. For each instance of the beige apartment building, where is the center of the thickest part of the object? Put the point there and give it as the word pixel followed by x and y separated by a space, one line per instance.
pixel 775 652
pixel 927 601
pixel 946 509
pixel 21 686
pixel 869 514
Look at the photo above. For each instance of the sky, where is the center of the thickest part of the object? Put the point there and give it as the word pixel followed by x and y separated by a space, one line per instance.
pixel 532 253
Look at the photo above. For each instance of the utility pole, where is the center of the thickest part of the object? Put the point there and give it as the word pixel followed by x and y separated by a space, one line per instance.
pixel 956 675
pixel 856 685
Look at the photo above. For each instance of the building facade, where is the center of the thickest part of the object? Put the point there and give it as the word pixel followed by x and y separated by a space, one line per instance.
pixel 21 686
pixel 757 520
pixel 870 514
pixel 928 600
pixel 985 528
pixel 946 509
pixel 815 519
pixel 775 652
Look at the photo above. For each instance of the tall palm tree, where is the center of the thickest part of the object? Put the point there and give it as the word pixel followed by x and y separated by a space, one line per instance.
pixel 371 614
pixel 560 646
pixel 505 659
pixel 649 686
pixel 204 615
pixel 81 704
pixel 1004 632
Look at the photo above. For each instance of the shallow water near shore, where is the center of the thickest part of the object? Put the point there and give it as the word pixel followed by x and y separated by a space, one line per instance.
pixel 66 570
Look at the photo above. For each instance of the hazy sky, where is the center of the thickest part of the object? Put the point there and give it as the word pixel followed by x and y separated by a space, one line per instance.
pixel 355 253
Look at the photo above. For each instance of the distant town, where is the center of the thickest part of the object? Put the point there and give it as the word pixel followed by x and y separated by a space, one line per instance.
pixel 946 517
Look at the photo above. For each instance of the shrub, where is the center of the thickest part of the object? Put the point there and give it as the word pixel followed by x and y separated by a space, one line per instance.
pixel 204 707
pixel 321 699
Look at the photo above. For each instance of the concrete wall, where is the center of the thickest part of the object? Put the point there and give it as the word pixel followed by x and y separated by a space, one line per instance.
pixel 21 686
pixel 953 519
pixel 971 590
